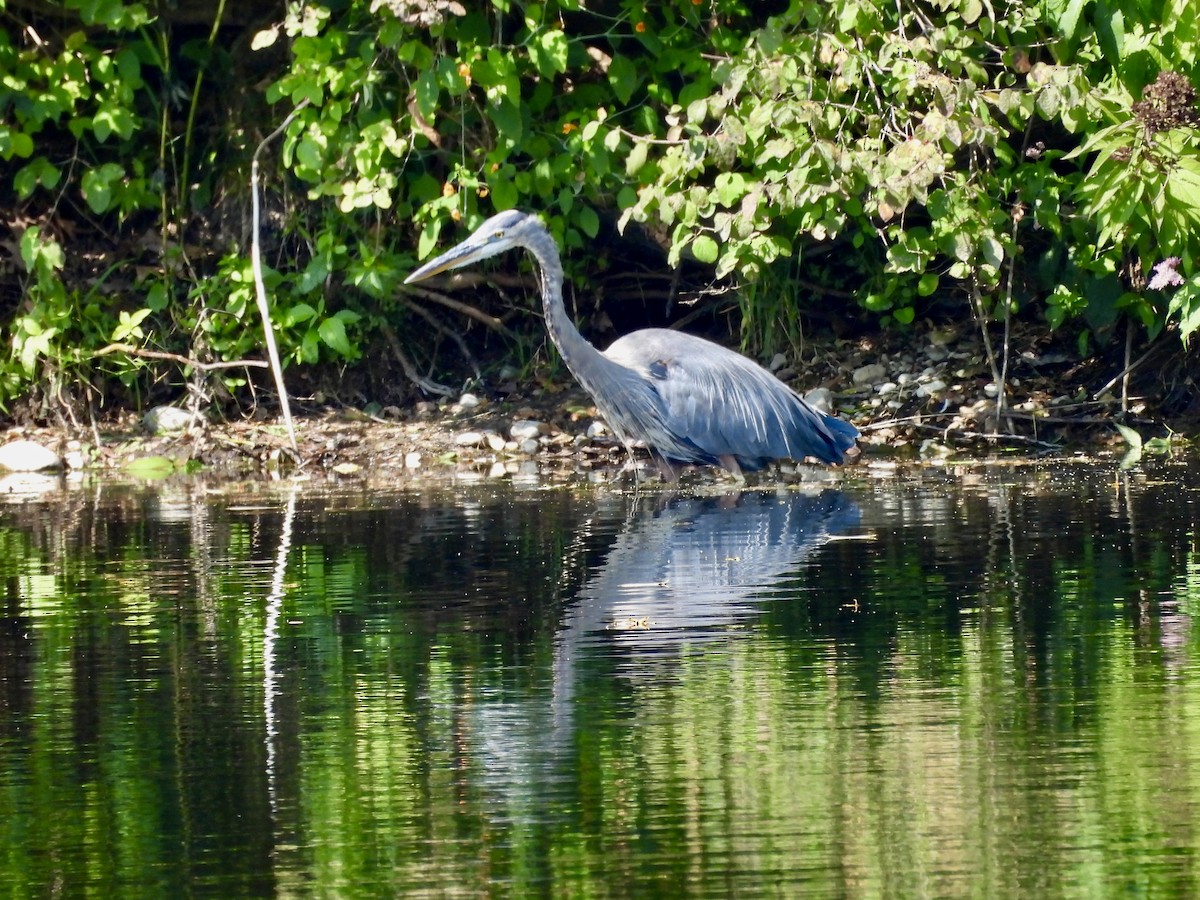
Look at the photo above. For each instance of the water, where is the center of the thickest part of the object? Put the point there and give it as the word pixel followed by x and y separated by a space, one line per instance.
pixel 946 683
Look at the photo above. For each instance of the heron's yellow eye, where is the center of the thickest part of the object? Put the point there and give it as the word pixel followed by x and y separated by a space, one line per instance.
pixel 498 234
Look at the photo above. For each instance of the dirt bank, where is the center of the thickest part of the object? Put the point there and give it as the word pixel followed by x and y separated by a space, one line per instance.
pixel 922 394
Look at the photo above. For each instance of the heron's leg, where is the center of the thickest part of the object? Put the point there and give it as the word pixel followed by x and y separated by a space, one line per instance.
pixel 665 467
pixel 631 463
pixel 730 464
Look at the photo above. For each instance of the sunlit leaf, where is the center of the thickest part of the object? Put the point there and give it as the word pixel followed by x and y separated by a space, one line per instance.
pixel 151 467
pixel 333 334
pixel 636 158
pixel 265 38
pixel 705 249
pixel 1132 438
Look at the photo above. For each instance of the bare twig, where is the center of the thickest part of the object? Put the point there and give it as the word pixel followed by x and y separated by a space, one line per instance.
pixel 1126 371
pixel 460 307
pixel 1124 374
pixel 260 289
pixel 981 318
pixel 182 360
pixel 441 329
pixel 991 436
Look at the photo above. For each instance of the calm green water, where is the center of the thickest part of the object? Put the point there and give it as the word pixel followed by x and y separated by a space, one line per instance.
pixel 948 683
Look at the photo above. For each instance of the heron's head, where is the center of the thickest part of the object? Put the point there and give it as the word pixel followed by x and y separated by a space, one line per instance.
pixel 501 232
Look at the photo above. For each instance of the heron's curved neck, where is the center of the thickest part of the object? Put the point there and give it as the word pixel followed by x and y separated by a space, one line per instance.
pixel 580 356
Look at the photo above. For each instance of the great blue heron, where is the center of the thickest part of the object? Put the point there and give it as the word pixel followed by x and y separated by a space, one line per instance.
pixel 685 398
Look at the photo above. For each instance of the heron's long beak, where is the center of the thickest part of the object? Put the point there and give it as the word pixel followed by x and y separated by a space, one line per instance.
pixel 463 255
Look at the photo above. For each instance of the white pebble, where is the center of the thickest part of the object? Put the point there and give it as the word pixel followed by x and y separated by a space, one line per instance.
pixel 412 460
pixel 525 429
pixel 991 389
pixel 597 429
pixel 888 387
pixel 868 374
pixel 778 361
pixel 28 456
pixel 820 399
pixel 931 388
pixel 468 401
pixel 469 439
pixel 495 441
pixel 529 445
pixel 161 419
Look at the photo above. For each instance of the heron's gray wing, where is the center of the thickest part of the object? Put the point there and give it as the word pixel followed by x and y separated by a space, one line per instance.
pixel 726 404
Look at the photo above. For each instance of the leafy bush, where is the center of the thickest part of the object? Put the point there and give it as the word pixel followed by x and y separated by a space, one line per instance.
pixel 1037 156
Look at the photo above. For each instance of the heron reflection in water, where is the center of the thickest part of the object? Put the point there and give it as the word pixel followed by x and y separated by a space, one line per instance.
pixel 681 572
pixel 686 399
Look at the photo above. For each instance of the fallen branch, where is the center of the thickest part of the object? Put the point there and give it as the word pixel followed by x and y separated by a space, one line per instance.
pixel 464 308
pixel 431 387
pixel 1124 374
pixel 182 360
pixel 441 329
pixel 989 436
pixel 1036 417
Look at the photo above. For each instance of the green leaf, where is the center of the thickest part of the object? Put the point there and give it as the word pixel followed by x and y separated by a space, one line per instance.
pixel 151 467
pixel 993 251
pixel 731 187
pixel 1157 446
pixel 705 249
pixel 588 221
pixel 1183 185
pixel 636 158
pixel 624 78
pixel 333 334
pixel 129 67
pixel 427 92
pixel 15 143
pixel 1131 458
pixel 1068 21
pixel 299 312
pixel 313 276
pixel 1110 30
pixel 504 193
pixel 97 186
pixel 428 238
pixel 157 298
pixel 506 116
pixel 555 46
pixel 38 172
pixel 1132 438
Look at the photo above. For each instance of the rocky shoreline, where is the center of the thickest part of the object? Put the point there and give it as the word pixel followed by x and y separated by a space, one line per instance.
pixel 928 395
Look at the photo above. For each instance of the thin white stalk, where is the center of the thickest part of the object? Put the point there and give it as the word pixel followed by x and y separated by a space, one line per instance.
pixel 260 289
